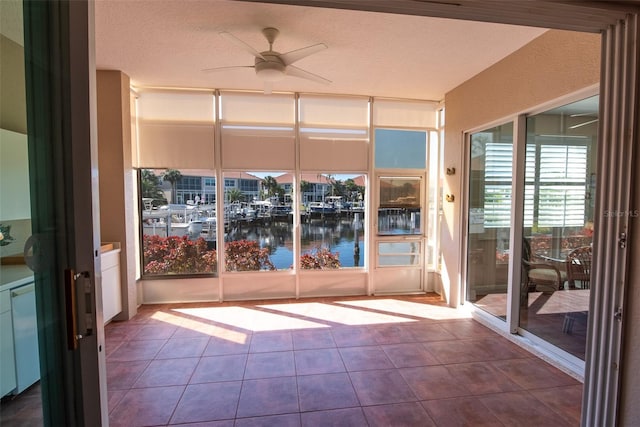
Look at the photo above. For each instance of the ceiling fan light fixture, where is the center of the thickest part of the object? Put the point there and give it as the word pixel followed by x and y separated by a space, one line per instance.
pixel 270 71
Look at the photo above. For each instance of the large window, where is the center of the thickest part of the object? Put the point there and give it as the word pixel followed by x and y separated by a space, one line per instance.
pixel 178 222
pixel 282 185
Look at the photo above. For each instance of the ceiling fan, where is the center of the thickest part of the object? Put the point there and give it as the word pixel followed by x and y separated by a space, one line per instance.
pixel 272 66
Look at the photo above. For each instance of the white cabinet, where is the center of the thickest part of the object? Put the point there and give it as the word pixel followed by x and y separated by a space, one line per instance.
pixel 19 354
pixel 111 292
pixel 7 359
pixel 25 336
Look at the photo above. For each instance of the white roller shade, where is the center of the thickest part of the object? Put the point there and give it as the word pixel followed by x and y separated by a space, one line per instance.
pixel 338 112
pixel 318 152
pixel 257 108
pixel 257 130
pixel 175 130
pixel 134 127
pixel 334 133
pixel 403 113
pixel 257 150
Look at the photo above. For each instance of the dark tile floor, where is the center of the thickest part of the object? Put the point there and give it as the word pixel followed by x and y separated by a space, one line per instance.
pixel 560 318
pixel 385 361
pixel 24 410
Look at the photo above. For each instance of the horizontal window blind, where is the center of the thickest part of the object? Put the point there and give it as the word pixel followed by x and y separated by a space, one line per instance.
pixel 561 187
pixel 498 176
pixel 562 163
pixel 555 187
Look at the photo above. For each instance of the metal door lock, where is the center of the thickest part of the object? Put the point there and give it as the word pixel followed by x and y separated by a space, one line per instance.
pixel 617 315
pixel 622 240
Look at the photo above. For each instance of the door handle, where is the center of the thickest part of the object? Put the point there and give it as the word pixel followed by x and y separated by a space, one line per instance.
pixel 22 290
pixel 71 308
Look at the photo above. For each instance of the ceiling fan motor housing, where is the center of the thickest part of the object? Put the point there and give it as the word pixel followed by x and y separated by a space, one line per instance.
pixel 271 67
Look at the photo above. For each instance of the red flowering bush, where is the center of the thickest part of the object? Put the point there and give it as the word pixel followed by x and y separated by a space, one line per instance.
pixel 246 255
pixel 321 259
pixel 502 257
pixel 177 255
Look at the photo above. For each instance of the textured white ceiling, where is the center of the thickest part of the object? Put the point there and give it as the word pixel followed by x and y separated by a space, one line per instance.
pixel 168 43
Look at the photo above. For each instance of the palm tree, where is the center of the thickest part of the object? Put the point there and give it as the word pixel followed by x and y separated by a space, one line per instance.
pixel 305 186
pixel 234 195
pixel 337 187
pixel 331 183
pixel 353 189
pixel 271 186
pixel 150 186
pixel 172 176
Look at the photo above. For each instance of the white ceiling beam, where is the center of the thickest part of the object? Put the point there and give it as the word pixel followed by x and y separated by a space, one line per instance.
pixel 586 16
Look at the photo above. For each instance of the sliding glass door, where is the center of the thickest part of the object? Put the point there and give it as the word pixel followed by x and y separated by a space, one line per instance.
pixel 550 289
pixel 559 188
pixel 489 226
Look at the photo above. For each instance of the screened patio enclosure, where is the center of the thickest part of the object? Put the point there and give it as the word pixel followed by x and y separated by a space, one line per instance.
pixel 247 196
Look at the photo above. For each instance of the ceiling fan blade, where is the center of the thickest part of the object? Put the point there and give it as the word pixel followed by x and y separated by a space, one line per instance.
pixel 583 124
pixel 296 55
pixel 299 72
pixel 233 39
pixel 209 70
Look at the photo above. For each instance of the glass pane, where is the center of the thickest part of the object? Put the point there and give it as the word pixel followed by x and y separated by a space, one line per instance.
pixel 398 253
pixel 178 222
pixel 385 248
pixel 258 218
pixel 398 260
pixel 400 149
pixel 433 207
pixel 399 209
pixel 490 218
pixel 558 223
pixel 332 226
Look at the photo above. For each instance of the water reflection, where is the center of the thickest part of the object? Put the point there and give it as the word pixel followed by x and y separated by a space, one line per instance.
pixel 342 235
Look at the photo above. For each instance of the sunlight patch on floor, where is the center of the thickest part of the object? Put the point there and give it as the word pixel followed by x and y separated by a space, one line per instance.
pixel 202 327
pixel 337 314
pixel 408 308
pixel 250 319
pixel 567 301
